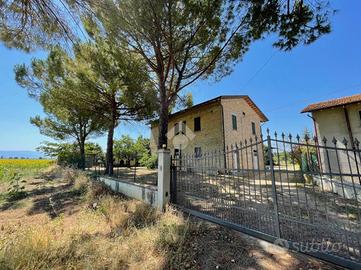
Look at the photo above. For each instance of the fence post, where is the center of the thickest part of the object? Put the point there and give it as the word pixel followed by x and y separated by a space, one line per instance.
pixel 173 182
pixel 274 190
pixel 163 178
pixel 238 167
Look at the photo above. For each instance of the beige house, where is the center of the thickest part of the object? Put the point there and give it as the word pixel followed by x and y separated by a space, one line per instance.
pixel 212 126
pixel 340 119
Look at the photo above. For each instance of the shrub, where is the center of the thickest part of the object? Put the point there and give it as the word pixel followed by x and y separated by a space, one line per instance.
pixel 16 188
pixel 149 161
pixel 69 154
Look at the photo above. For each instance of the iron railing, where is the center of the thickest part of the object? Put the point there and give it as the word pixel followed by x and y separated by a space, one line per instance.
pixel 302 190
pixel 131 173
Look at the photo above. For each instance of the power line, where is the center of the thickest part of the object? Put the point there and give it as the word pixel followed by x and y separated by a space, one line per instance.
pixel 260 69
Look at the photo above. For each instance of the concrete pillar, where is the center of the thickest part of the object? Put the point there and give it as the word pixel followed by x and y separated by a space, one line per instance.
pixel 163 178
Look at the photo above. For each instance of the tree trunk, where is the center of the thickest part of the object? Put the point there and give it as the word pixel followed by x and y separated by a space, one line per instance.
pixel 163 119
pixel 82 154
pixel 109 155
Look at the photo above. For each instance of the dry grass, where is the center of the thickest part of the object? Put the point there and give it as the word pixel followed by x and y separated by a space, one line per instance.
pixel 71 222
pixel 109 232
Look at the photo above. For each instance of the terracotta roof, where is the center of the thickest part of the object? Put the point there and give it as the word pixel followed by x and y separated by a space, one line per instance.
pixel 332 103
pixel 218 99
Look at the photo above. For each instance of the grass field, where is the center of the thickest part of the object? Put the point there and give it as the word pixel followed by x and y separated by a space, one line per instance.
pixel 24 167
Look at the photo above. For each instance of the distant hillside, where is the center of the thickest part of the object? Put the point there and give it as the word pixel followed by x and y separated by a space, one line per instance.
pixel 21 154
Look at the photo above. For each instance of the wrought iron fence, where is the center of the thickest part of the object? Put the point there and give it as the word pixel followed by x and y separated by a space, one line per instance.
pixel 303 190
pixel 131 172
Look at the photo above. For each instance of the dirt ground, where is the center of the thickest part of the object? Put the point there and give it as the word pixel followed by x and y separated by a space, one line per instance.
pixel 216 247
pixel 209 247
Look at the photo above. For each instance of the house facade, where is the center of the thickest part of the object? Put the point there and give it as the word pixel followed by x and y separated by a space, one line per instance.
pixel 212 126
pixel 340 119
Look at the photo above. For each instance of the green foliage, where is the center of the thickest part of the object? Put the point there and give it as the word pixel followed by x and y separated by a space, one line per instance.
pixel 68 154
pixel 28 25
pixel 54 82
pixel 149 161
pixel 128 149
pixel 16 187
pixel 94 149
pixel 27 167
pixel 183 41
pixel 305 155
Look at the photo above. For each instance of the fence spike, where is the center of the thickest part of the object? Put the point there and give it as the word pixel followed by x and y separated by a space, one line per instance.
pixel 298 138
pixel 315 139
pixel 290 136
pixel 344 141
pixel 307 138
pixel 324 140
pixel 357 142
pixel 240 144
pixel 245 142
pixel 276 134
pixel 267 130
pixel 334 140
pixel 256 138
pixel 250 140
pixel 283 136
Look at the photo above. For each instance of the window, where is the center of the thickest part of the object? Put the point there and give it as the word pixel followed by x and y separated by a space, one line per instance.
pixel 197 152
pixel 176 129
pixel 184 127
pixel 234 122
pixel 359 113
pixel 253 128
pixel 197 124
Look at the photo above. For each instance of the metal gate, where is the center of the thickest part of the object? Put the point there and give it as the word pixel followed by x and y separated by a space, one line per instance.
pixel 301 193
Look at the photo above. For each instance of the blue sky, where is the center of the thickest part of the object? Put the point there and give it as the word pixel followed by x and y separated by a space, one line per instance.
pixel 280 83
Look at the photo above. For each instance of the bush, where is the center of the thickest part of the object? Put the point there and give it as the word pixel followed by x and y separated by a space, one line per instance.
pixel 69 154
pixel 149 161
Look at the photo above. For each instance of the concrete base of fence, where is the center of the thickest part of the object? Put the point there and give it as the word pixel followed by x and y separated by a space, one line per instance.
pixel 345 189
pixel 145 193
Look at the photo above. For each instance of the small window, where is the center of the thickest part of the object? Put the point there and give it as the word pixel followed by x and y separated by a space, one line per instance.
pixel 197 124
pixel 176 129
pixel 359 113
pixel 184 127
pixel 234 122
pixel 253 128
pixel 197 152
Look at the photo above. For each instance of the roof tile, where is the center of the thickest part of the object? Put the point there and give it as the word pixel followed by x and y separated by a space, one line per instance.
pixel 332 103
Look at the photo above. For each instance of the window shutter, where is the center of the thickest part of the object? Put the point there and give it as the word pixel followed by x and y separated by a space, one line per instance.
pixel 184 127
pixel 253 128
pixel 176 129
pixel 197 124
pixel 234 122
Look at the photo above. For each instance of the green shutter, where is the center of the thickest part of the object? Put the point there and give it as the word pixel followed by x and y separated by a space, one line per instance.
pixel 234 122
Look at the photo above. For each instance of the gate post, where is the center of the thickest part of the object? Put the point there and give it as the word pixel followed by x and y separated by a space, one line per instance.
pixel 274 190
pixel 163 178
